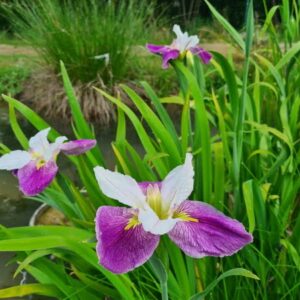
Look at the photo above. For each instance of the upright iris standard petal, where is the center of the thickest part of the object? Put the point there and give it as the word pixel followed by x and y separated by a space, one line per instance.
pixel 178 184
pixel 54 148
pixel 77 147
pixel 210 234
pixel 33 180
pixel 120 247
pixel 120 187
pixel 39 142
pixel 14 160
pixel 183 41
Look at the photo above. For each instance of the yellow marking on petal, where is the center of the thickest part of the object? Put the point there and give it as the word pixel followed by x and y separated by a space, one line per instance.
pixel 132 223
pixel 36 155
pixel 184 216
pixel 182 54
pixel 40 164
pixel 155 201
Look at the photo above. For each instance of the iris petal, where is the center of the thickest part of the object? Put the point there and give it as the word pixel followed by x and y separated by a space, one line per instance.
pixel 120 187
pixel 121 248
pixel 213 235
pixel 178 184
pixel 168 55
pixel 156 48
pixel 34 180
pixel 39 142
pixel 204 55
pixel 14 160
pixel 77 147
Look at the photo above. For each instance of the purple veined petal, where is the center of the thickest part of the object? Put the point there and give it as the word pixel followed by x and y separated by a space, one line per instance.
pixel 144 185
pixel 121 250
pixel 157 48
pixel 204 55
pixel 77 147
pixel 33 180
pixel 213 235
pixel 168 55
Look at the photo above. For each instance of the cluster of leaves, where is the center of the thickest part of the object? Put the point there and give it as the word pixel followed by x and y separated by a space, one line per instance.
pixel 12 79
pixel 244 138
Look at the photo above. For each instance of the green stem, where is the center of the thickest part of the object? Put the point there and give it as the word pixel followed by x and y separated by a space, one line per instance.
pixel 164 291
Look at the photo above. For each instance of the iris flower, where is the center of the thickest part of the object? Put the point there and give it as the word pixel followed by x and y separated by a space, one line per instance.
pixel 127 237
pixel 179 47
pixel 36 168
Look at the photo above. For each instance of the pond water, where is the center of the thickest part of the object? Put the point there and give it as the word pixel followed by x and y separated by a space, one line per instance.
pixel 16 210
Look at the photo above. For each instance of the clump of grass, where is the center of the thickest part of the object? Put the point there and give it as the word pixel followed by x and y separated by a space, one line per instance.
pixel 83 34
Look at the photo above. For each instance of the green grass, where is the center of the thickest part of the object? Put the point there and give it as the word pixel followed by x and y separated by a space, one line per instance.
pixel 10 39
pixel 14 70
pixel 80 34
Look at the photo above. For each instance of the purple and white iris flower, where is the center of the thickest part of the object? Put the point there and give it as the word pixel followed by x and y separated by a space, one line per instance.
pixel 179 47
pixel 36 168
pixel 127 237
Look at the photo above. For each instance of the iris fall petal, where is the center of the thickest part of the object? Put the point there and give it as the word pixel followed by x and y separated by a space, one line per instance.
pixel 33 180
pixel 77 147
pixel 214 234
pixel 120 250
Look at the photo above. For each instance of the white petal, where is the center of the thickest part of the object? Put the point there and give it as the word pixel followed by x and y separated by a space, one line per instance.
pixel 193 41
pixel 153 224
pixel 183 41
pixel 39 143
pixel 177 30
pixel 178 184
pixel 14 160
pixel 54 148
pixel 120 187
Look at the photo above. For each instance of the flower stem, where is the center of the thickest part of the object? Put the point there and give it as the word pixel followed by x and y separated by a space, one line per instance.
pixel 164 291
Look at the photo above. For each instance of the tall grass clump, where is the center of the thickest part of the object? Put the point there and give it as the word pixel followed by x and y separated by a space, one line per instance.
pixel 93 38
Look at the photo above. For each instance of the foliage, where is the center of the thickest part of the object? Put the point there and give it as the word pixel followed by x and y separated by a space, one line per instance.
pixel 244 135
pixel 83 33
pixel 12 78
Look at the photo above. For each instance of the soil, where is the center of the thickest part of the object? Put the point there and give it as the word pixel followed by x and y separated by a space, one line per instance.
pixel 16 50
